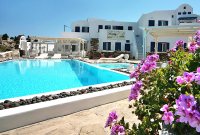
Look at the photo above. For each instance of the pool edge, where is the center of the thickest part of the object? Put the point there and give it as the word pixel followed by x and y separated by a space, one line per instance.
pixel 26 115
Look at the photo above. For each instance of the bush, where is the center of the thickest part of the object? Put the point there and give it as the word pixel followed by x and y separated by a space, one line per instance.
pixel 5 36
pixel 94 55
pixel 4 48
pixel 161 88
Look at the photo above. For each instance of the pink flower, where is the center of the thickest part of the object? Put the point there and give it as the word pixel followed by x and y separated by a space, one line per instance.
pixel 183 119
pixel 198 70
pixel 180 80
pixel 186 101
pixel 188 77
pixel 111 118
pixel 173 50
pixel 135 90
pixel 165 108
pixel 198 31
pixel 117 130
pixel 195 123
pixel 198 42
pixel 152 58
pixel 193 47
pixel 134 74
pixel 188 111
pixel 168 117
pixel 179 43
pixel 148 67
pixel 133 96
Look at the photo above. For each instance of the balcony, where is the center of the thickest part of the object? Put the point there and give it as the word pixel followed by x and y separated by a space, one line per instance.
pixel 187 19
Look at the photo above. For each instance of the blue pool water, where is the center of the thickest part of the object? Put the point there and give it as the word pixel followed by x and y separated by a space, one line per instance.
pixel 27 77
pixel 114 65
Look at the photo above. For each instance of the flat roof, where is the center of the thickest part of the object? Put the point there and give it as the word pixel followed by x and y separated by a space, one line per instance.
pixel 58 39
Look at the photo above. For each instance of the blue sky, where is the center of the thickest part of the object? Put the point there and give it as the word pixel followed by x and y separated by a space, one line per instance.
pixel 47 17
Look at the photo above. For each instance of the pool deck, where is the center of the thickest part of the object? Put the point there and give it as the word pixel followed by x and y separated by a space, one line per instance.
pixel 96 61
pixel 86 122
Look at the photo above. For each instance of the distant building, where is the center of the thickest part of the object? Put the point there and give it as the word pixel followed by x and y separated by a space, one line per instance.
pixel 156 31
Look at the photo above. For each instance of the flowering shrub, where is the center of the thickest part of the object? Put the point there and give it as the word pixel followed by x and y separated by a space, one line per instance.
pixel 170 96
pixel 116 128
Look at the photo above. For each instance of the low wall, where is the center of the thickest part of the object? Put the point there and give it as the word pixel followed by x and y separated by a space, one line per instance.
pixel 29 114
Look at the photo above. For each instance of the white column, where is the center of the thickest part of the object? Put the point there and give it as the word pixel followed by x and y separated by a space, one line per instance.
pixel 47 47
pixel 144 43
pixel 40 48
pixel 79 48
pixel 156 44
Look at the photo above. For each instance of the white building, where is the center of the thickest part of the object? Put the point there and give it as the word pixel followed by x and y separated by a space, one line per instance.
pixel 112 35
pixel 156 31
pixel 161 29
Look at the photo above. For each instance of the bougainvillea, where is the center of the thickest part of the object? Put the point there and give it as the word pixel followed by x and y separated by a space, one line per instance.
pixel 170 96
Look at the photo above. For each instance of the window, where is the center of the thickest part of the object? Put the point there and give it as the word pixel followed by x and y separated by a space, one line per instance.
pixel 130 28
pixel 118 27
pixel 179 13
pixel 106 45
pixel 73 48
pixel 88 29
pixel 163 46
pixel 85 29
pixel 165 23
pixel 127 47
pixel 127 41
pixel 189 12
pixel 152 46
pixel 100 27
pixel 184 13
pixel 184 7
pixel 151 22
pixel 159 23
pixel 77 29
pixel 172 16
pixel 66 48
pixel 107 27
pixel 162 23
pixel 117 46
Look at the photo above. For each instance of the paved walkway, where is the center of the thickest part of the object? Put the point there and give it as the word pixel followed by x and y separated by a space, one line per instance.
pixel 87 122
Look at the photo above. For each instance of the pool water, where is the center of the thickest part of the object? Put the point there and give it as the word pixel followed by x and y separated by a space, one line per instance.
pixel 27 77
pixel 114 65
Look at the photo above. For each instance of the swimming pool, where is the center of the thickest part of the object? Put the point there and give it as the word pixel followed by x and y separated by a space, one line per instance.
pixel 27 77
pixel 114 65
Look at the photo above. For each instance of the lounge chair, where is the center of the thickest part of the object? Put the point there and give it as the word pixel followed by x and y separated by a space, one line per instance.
pixel 56 56
pixel 116 59
pixel 42 56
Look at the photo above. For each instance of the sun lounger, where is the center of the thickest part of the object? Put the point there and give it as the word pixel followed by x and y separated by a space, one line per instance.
pixel 56 56
pixel 42 56
pixel 116 59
